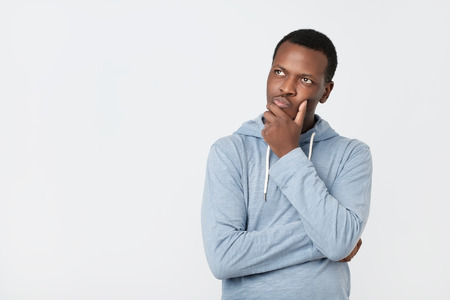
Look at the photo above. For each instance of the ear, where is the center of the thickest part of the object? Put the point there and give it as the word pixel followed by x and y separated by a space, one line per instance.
pixel 328 88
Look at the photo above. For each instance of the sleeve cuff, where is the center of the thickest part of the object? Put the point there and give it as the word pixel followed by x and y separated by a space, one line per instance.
pixel 285 167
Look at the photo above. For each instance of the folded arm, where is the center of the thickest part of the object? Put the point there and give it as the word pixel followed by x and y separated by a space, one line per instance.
pixel 231 250
pixel 333 218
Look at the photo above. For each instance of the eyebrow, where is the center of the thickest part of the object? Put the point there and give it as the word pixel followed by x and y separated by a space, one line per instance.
pixel 308 75
pixel 303 75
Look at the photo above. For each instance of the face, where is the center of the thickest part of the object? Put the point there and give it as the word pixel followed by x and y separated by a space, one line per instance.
pixel 298 74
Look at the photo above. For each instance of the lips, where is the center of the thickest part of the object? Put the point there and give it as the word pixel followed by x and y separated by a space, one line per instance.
pixel 281 102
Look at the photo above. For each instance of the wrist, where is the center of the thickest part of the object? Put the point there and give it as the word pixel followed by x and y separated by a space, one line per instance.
pixel 282 152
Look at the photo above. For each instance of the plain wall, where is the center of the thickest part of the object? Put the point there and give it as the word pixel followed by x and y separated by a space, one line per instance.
pixel 108 110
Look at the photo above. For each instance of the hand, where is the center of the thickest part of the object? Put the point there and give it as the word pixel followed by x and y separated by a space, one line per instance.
pixel 353 253
pixel 280 131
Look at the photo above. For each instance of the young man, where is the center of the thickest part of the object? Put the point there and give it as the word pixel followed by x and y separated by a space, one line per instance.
pixel 286 198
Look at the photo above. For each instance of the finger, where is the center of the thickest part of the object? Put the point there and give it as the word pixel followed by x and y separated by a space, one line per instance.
pixel 347 259
pixel 269 117
pixel 301 114
pixel 278 112
pixel 358 245
pixel 353 253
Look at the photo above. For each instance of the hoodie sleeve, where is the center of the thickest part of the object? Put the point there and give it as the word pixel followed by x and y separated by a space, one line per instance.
pixel 231 250
pixel 333 218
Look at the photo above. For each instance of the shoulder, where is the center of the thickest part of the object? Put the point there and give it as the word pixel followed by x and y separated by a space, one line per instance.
pixel 228 147
pixel 353 153
pixel 356 147
pixel 229 143
pixel 342 143
pixel 342 150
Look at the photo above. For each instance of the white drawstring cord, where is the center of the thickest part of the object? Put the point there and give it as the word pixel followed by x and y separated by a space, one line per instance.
pixel 311 145
pixel 266 180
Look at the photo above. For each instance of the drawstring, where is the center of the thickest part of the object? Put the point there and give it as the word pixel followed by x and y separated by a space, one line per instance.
pixel 311 145
pixel 266 179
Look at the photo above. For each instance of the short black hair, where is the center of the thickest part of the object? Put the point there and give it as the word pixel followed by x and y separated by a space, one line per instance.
pixel 315 40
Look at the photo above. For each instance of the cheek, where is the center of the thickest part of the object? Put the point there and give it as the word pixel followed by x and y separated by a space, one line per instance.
pixel 312 104
pixel 313 98
pixel 270 86
pixel 273 84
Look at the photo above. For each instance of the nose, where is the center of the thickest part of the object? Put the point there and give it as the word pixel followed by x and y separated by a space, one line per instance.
pixel 288 87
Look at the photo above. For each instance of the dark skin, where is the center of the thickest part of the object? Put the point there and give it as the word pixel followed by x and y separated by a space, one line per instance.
pixel 295 86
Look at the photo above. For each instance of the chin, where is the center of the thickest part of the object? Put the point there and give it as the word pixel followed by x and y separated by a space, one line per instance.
pixel 291 114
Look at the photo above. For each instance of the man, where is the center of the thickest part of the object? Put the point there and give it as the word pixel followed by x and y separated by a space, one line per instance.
pixel 286 198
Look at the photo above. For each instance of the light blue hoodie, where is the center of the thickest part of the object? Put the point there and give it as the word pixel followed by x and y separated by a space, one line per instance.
pixel 289 245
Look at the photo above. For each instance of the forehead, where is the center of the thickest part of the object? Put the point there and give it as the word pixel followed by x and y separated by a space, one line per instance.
pixel 300 59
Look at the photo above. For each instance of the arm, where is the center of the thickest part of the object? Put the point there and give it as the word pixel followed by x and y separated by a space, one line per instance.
pixel 334 219
pixel 232 251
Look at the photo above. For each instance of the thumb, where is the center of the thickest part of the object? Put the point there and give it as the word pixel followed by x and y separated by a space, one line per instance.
pixel 301 114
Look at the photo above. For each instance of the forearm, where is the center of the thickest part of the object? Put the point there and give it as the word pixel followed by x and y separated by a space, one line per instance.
pixel 334 219
pixel 234 253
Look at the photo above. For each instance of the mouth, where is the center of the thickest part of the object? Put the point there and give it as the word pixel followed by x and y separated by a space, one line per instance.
pixel 281 102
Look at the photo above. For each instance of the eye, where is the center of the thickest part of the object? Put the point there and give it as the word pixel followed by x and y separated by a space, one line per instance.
pixel 279 72
pixel 306 80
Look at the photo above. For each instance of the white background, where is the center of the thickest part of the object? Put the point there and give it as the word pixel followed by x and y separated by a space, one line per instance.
pixel 108 110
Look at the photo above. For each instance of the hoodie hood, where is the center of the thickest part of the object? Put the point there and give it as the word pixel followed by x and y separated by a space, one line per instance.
pixel 322 130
